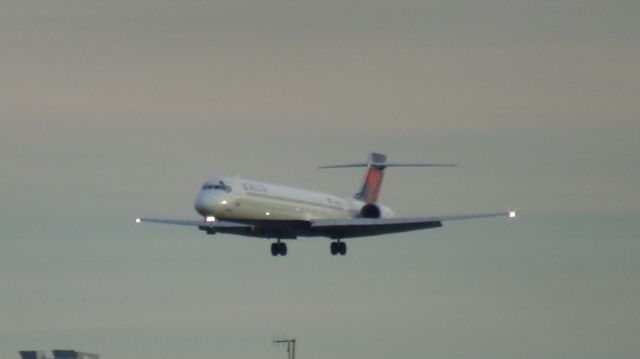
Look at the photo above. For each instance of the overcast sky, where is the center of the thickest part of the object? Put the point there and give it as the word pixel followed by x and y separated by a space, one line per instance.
pixel 112 110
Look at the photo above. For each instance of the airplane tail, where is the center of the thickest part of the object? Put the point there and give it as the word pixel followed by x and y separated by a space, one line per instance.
pixel 372 180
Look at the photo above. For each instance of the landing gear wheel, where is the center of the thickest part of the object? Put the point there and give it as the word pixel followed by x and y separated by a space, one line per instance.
pixel 278 248
pixel 283 249
pixel 334 248
pixel 342 248
pixel 338 248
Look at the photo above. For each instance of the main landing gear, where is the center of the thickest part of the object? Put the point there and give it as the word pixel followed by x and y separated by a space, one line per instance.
pixel 278 248
pixel 338 248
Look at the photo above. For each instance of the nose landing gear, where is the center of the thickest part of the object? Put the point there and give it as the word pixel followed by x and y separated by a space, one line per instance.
pixel 338 248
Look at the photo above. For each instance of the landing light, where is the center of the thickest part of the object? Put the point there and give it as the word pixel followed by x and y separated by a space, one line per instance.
pixel 512 214
pixel 210 219
pixel 138 220
pixel 224 202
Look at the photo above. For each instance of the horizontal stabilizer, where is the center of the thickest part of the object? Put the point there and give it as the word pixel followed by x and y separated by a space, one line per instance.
pixel 391 164
pixel 372 181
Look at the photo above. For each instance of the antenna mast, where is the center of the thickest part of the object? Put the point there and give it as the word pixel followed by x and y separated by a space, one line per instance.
pixel 291 346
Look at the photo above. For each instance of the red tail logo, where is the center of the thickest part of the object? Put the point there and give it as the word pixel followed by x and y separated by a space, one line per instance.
pixel 372 185
pixel 372 181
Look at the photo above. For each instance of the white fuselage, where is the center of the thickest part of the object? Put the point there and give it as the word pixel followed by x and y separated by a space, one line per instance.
pixel 240 199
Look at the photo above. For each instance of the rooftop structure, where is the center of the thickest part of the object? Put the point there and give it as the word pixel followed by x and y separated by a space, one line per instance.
pixel 57 354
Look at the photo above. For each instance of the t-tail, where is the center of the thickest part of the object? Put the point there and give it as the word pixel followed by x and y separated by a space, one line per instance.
pixel 372 180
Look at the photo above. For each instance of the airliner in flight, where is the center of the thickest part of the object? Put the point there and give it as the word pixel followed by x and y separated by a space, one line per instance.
pixel 233 205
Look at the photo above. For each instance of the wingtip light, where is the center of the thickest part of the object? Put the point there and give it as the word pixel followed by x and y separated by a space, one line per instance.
pixel 138 220
pixel 511 214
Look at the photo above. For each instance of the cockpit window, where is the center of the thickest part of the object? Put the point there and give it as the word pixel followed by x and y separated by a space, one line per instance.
pixel 218 186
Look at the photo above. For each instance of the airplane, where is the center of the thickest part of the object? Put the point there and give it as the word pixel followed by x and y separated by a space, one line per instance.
pixel 233 205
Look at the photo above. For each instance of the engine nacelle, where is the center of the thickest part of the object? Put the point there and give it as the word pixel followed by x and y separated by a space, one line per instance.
pixel 370 210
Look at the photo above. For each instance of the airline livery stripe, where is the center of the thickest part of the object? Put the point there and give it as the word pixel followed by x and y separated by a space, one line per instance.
pixel 291 200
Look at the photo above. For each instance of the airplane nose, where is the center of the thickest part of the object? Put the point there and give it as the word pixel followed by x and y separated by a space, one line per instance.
pixel 204 204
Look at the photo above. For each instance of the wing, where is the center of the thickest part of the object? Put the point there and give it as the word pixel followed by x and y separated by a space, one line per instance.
pixel 332 228
pixel 259 228
pixel 193 223
pixel 281 229
pixel 361 227
pixel 211 227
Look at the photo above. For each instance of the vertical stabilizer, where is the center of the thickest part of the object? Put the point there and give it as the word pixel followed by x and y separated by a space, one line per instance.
pixel 372 181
